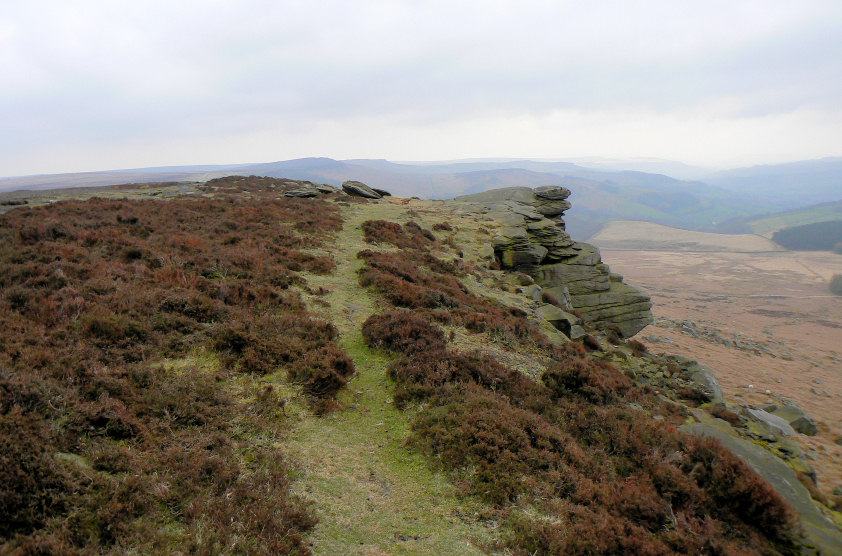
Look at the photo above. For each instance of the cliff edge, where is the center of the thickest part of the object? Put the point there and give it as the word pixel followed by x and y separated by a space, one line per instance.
pixel 534 241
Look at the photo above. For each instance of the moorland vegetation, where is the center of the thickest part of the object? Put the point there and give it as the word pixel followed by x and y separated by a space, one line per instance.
pixel 146 345
pixel 572 462
pixel 138 354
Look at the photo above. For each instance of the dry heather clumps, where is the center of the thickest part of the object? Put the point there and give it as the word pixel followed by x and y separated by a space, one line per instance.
pixel 408 236
pixel 418 280
pixel 402 331
pixel 106 446
pixel 573 464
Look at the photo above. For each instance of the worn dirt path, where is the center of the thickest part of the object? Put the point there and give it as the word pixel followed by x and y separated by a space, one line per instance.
pixel 372 495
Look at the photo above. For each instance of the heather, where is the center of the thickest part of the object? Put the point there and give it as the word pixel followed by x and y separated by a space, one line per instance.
pixel 138 360
pixel 571 463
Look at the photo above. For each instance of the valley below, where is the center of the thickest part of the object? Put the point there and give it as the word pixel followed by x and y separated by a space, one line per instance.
pixel 765 322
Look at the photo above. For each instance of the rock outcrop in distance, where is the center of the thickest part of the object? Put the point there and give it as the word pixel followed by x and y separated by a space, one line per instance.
pixel 533 240
pixel 307 189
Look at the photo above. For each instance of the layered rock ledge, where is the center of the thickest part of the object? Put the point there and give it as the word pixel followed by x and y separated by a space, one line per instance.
pixel 533 240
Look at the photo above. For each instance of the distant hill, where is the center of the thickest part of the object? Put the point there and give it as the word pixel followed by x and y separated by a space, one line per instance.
pixel 650 165
pixel 786 186
pixel 602 191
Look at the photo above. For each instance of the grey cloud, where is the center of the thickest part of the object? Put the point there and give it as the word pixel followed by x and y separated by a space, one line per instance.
pixel 106 72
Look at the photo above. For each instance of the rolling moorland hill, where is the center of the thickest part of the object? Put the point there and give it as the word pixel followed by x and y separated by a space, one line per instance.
pixel 603 191
pixel 220 368
pixel 787 186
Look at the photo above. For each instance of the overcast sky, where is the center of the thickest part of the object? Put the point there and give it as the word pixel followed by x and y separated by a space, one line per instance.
pixel 95 85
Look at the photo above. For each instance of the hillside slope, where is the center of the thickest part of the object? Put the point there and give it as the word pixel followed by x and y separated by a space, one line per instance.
pixel 601 195
pixel 233 371
pixel 788 185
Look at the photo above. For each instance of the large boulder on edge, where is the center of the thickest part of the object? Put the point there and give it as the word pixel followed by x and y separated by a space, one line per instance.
pixel 795 416
pixel 359 189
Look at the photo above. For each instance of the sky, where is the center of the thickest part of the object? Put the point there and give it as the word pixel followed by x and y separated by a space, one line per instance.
pixel 97 85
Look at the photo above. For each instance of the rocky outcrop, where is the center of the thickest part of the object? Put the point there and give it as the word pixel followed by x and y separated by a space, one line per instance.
pixel 308 189
pixel 533 240
pixel 701 377
pixel 820 531
pixel 359 189
pixel 796 417
pixel 767 423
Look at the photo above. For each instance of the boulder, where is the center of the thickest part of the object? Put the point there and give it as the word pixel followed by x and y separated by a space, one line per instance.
pixel 486 252
pixel 325 188
pixel 303 193
pixel 359 189
pixel 534 292
pixel 701 376
pixel 562 295
pixel 577 332
pixel 551 192
pixel 769 424
pixel 560 319
pixel 819 530
pixel 795 416
pixel 382 192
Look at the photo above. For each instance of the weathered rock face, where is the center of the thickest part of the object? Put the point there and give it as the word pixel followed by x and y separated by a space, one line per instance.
pixel 796 417
pixel 820 531
pixel 359 189
pixel 702 377
pixel 533 240
pixel 307 189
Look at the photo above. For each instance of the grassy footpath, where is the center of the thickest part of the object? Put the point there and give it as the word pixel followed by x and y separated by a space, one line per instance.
pixel 372 495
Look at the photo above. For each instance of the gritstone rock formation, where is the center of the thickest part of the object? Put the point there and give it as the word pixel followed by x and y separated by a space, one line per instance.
pixel 533 240
pixel 305 189
pixel 360 189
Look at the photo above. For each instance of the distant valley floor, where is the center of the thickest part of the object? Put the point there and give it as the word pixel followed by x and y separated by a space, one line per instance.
pixel 760 319
pixel 640 235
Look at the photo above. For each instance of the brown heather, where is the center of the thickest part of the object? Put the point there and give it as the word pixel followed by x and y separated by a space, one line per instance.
pixel 104 446
pixel 597 474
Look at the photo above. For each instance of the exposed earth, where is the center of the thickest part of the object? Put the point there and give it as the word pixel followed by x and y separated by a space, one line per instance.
pixel 766 324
